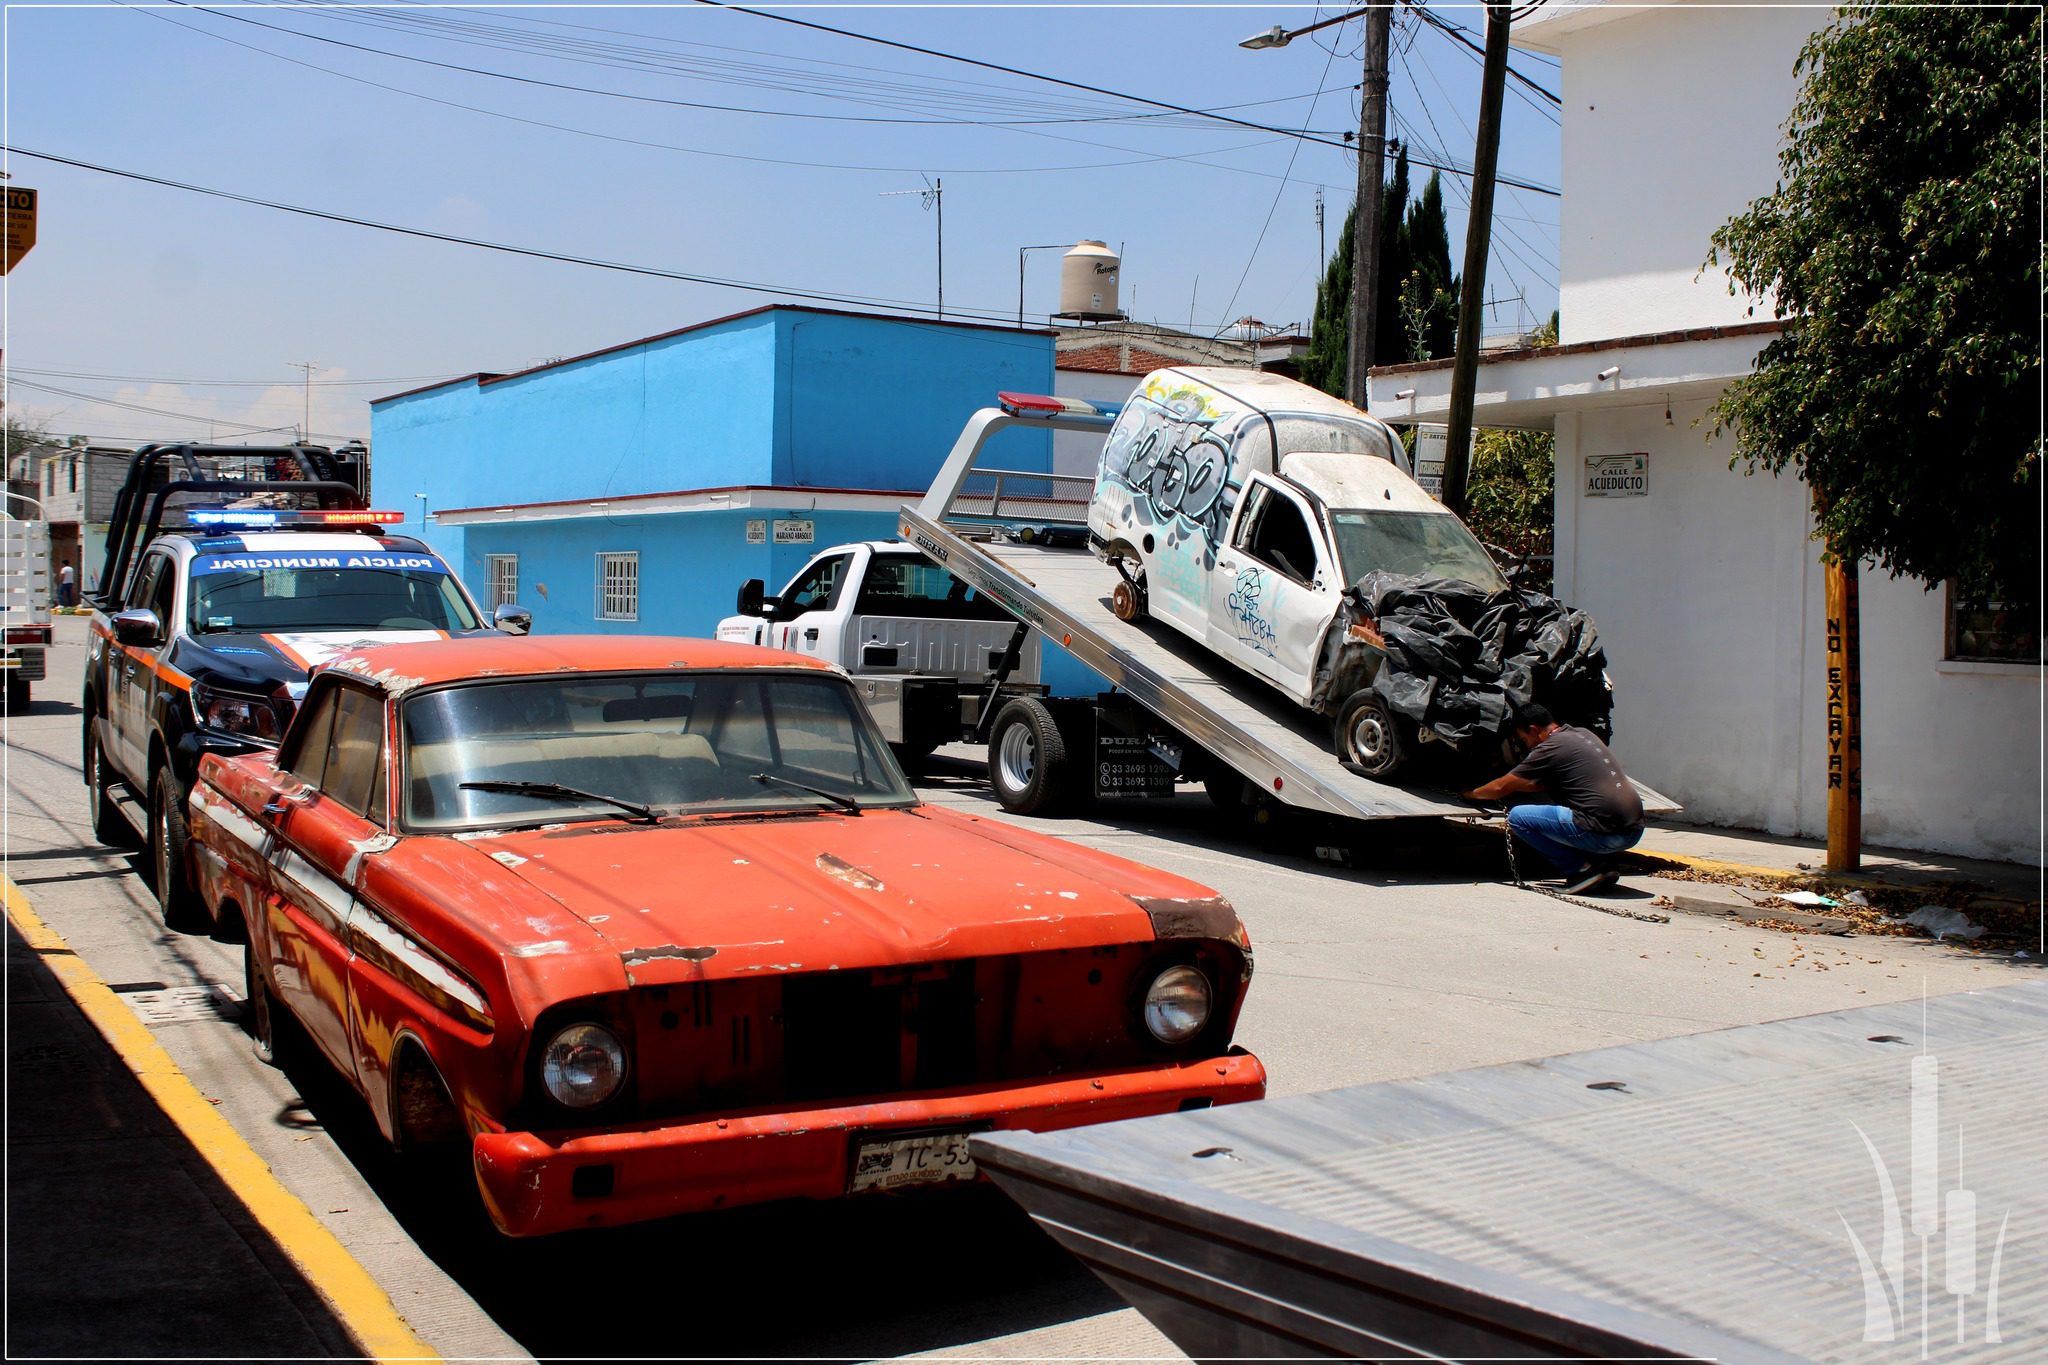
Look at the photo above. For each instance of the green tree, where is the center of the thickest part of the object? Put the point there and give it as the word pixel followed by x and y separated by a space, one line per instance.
pixel 1509 490
pixel 1901 250
pixel 1432 294
pixel 1330 332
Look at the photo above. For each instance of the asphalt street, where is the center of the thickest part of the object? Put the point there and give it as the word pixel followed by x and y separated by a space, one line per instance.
pixel 1416 959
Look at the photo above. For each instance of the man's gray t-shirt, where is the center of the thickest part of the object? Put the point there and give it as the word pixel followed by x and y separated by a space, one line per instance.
pixel 1578 771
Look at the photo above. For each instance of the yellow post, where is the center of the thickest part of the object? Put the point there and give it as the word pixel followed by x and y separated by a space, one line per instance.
pixel 1845 718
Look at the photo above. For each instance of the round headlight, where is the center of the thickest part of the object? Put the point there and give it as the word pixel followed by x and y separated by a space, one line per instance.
pixel 584 1065
pixel 1177 1005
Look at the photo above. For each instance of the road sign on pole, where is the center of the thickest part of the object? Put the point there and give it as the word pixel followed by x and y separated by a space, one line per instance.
pixel 18 227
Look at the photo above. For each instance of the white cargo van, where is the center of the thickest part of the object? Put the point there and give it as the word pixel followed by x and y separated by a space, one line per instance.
pixel 1237 506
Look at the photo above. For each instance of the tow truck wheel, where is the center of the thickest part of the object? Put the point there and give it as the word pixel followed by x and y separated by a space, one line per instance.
pixel 17 694
pixel 1366 736
pixel 1127 600
pixel 109 826
pixel 1027 758
pixel 167 839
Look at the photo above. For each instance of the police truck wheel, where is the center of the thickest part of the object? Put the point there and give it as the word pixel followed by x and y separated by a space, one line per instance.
pixel 167 841
pixel 1365 734
pixel 109 826
pixel 1027 758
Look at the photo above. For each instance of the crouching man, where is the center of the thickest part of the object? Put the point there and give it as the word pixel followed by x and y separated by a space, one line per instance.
pixel 1595 811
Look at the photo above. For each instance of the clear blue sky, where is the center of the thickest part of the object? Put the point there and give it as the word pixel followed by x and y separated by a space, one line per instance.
pixel 158 285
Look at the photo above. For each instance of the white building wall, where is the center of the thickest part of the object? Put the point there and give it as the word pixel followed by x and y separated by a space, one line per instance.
pixel 1708 597
pixel 1673 119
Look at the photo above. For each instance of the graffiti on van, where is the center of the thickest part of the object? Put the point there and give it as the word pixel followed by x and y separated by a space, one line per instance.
pixel 1177 466
pixel 1254 627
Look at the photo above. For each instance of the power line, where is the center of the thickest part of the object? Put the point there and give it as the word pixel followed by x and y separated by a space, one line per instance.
pixel 532 253
pixel 676 103
pixel 1271 209
pixel 220 383
pixel 1140 159
pixel 135 407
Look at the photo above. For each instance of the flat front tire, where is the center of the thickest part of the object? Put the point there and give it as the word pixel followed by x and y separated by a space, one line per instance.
pixel 1366 736
pixel 167 843
pixel 1027 758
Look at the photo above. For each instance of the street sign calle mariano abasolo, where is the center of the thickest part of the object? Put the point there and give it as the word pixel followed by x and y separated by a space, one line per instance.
pixel 18 233
pixel 1618 476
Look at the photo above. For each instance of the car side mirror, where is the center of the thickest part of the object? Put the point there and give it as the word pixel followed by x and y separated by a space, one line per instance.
pixel 751 594
pixel 138 626
pixel 513 620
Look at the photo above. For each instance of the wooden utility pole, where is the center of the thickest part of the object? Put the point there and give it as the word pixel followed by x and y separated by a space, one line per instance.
pixel 1842 611
pixel 1365 236
pixel 1478 244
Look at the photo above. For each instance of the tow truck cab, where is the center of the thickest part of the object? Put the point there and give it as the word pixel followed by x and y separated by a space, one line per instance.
pixel 922 645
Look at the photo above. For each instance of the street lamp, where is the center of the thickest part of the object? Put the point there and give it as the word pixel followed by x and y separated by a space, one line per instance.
pixel 1372 146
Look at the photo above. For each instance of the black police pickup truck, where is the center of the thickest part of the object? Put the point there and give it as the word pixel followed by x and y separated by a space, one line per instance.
pixel 231 573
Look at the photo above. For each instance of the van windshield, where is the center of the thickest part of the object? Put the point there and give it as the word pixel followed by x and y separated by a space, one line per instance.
pixel 1433 544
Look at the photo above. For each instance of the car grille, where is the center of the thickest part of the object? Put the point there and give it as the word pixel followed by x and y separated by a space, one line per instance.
pixel 810 1037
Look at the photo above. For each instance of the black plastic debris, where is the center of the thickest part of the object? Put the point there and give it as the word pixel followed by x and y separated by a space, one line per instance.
pixel 1459 661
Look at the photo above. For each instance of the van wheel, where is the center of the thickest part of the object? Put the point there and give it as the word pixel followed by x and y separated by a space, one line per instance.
pixel 1127 600
pixel 167 843
pixel 1027 758
pixel 1366 736
pixel 109 826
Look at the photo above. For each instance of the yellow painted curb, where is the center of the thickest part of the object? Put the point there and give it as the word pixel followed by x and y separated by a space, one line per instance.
pixel 362 1306
pixel 1716 865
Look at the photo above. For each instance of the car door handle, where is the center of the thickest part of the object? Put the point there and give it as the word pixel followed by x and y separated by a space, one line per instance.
pixel 275 807
pixel 811 635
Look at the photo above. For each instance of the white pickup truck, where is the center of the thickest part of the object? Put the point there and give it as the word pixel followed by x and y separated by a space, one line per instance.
pixel 24 606
pixel 925 648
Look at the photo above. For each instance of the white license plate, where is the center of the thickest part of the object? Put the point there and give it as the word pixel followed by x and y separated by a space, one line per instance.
pixel 892 1163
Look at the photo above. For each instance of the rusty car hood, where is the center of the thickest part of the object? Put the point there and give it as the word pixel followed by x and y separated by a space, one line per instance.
pixel 707 899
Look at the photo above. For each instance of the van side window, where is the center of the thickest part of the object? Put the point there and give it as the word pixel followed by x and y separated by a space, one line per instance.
pixel 817 588
pixel 1273 531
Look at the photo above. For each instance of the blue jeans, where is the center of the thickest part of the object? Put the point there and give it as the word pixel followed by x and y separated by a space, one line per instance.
pixel 1553 832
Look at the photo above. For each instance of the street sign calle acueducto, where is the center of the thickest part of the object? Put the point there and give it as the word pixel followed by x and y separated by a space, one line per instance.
pixel 1618 476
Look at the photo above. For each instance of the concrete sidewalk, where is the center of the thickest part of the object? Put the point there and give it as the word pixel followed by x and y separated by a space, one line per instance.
pixel 1754 850
pixel 124 1237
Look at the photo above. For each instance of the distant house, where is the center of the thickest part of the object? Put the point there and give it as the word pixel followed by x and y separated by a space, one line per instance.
pixel 1707 584
pixel 76 484
pixel 633 489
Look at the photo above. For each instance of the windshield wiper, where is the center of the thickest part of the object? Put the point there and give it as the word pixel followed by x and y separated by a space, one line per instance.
pixel 843 802
pixel 645 814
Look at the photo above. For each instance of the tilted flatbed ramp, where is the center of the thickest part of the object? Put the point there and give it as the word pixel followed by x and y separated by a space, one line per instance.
pixel 1064 593
pixel 1825 1188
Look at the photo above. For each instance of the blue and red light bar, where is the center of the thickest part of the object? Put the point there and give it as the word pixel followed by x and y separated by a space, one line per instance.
pixel 276 519
pixel 1051 405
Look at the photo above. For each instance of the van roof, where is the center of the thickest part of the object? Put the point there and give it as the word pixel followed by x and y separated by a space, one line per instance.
pixel 1357 481
pixel 1266 392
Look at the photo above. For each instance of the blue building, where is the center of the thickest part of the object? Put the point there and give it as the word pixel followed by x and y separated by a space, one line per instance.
pixel 633 489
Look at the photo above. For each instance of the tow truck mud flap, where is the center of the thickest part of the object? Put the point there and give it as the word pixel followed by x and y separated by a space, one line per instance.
pixel 1129 761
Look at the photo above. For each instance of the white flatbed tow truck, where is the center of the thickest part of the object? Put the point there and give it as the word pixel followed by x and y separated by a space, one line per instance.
pixel 1020 538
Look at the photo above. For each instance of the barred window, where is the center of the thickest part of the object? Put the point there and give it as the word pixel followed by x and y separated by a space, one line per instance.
pixel 504 570
pixel 618 586
pixel 1982 628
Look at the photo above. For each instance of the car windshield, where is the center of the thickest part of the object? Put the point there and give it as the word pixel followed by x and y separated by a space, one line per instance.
pixel 319 590
pixel 683 743
pixel 1434 544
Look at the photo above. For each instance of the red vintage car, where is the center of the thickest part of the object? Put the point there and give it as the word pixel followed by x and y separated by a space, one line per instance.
pixel 656 925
